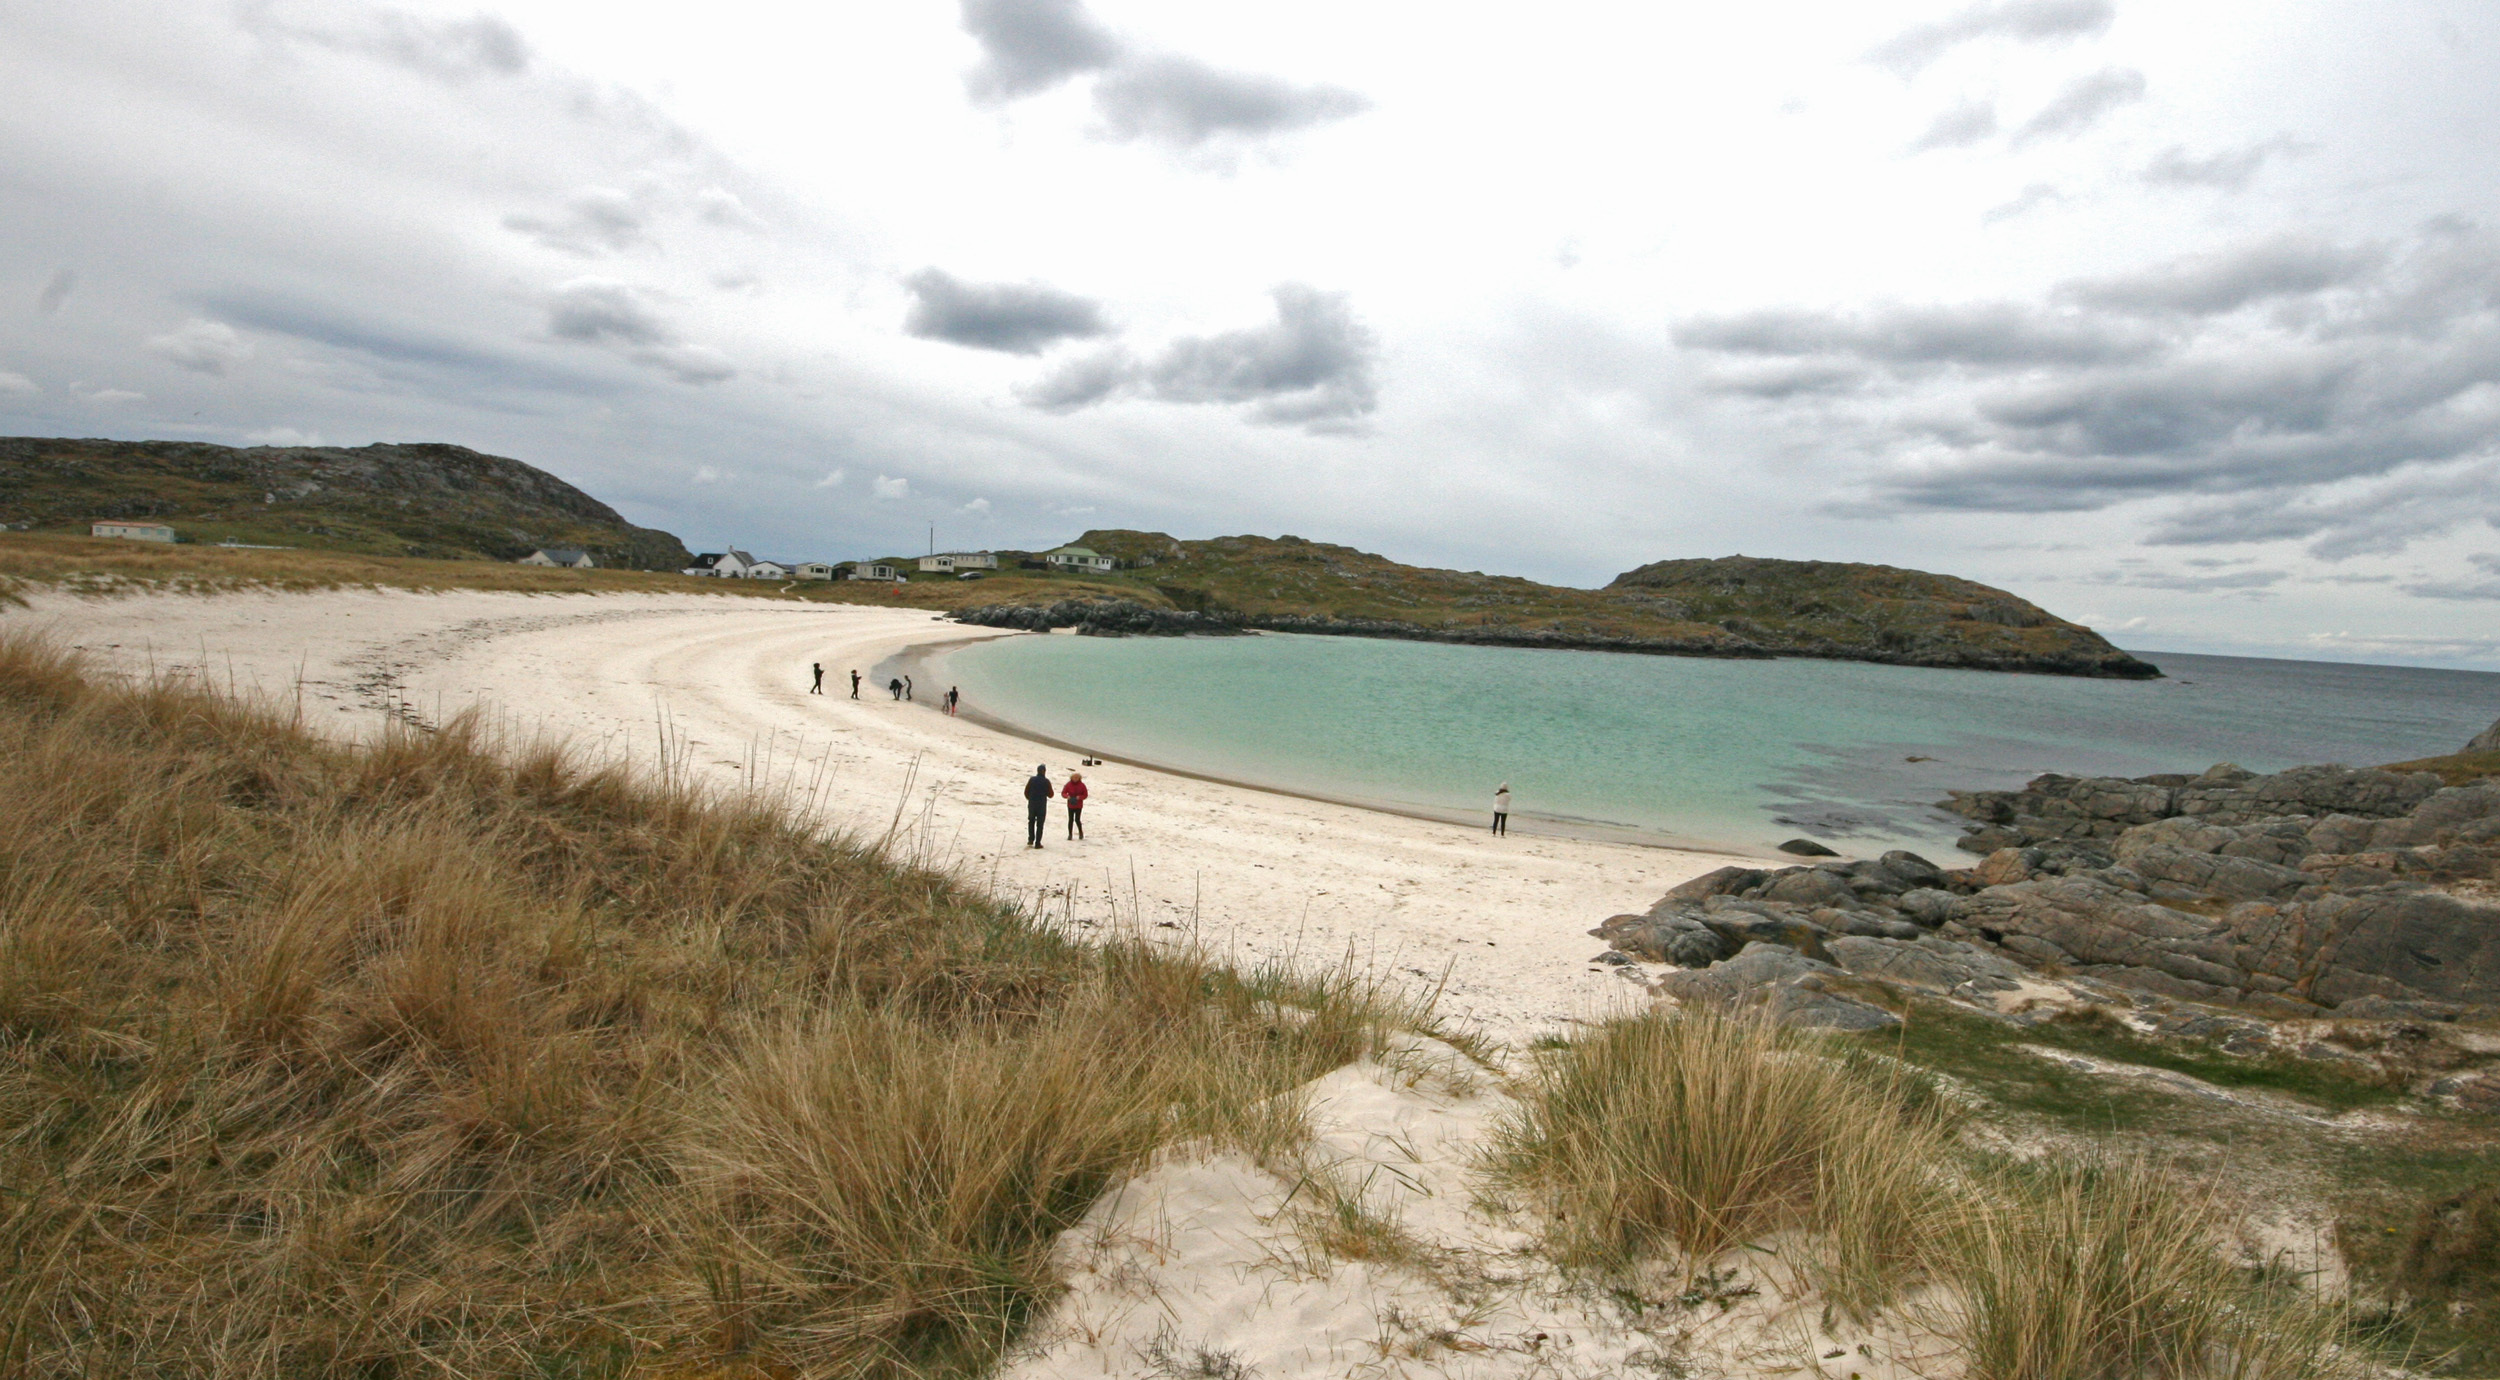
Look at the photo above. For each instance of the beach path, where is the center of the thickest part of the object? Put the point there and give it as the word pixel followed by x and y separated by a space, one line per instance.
pixel 1500 926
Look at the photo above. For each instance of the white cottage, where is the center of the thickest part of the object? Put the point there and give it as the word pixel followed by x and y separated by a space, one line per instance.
pixel 570 557
pixel 131 531
pixel 946 561
pixel 1078 558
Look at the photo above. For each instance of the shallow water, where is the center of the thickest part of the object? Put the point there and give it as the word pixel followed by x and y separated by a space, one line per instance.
pixel 1681 749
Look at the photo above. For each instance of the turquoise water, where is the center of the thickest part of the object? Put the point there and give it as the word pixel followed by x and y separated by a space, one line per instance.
pixel 1686 749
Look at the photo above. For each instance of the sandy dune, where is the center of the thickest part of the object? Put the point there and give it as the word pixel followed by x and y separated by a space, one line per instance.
pixel 1249 872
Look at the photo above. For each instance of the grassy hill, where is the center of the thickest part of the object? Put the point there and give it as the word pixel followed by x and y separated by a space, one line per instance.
pixel 436 501
pixel 1735 606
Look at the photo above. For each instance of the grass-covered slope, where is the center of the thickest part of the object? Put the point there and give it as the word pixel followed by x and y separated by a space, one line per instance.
pixel 1737 606
pixel 431 1058
pixel 1873 613
pixel 438 501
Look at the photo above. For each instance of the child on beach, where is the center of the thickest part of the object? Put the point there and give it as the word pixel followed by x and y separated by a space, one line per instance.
pixel 1074 793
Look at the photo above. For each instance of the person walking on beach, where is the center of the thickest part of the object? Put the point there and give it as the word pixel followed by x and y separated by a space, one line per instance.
pixel 895 687
pixel 1501 809
pixel 854 684
pixel 1037 794
pixel 906 687
pixel 954 697
pixel 1074 793
pixel 819 668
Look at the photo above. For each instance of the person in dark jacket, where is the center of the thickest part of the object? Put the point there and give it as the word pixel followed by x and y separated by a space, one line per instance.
pixel 819 687
pixel 1074 793
pixel 854 685
pixel 1037 794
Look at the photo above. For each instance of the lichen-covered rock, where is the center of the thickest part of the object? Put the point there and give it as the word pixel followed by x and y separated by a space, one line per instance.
pixel 1666 936
pixel 1930 964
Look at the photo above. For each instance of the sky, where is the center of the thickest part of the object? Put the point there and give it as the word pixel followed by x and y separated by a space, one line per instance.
pixel 2180 320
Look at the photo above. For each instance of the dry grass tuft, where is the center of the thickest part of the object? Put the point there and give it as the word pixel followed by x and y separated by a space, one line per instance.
pixel 1699 1133
pixel 439 1056
pixel 2108 1271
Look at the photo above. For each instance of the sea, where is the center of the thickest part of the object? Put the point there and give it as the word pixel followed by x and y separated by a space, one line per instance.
pixel 1684 751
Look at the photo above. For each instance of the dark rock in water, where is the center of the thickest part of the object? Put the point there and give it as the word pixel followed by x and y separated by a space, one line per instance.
pixel 1101 617
pixel 1807 848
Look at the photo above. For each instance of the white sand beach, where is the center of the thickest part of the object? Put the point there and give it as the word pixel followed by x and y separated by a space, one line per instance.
pixel 1500 925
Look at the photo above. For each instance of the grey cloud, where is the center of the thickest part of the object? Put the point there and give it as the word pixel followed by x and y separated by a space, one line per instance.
pixel 1029 46
pixel 2082 104
pixel 2210 284
pixel 1019 318
pixel 594 219
pixel 595 311
pixel 1184 102
pixel 453 50
pixel 2354 417
pixel 598 312
pixel 2485 589
pixel 2231 169
pixel 1311 367
pixel 2030 199
pixel 1787 378
pixel 2027 21
pixel 1960 127
pixel 719 206
pixel 1084 380
pixel 2237 580
pixel 203 347
pixel 1987 335
pixel 56 291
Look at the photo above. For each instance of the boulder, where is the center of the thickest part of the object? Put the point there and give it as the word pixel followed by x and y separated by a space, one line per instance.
pixel 2215 874
pixel 1667 936
pixel 1931 964
pixel 1742 923
pixel 1810 886
pixel 1756 965
pixel 1913 870
pixel 1862 922
pixel 1807 848
pixel 1928 906
pixel 2486 741
pixel 2006 866
pixel 1807 1007
pixel 1722 882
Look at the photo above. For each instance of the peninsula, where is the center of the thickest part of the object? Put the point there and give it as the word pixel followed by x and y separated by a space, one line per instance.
pixel 1735 606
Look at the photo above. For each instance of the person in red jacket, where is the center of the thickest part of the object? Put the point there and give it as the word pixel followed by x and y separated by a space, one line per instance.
pixel 1074 794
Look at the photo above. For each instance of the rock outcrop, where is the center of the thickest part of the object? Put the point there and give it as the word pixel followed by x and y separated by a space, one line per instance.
pixel 2312 892
pixel 2486 741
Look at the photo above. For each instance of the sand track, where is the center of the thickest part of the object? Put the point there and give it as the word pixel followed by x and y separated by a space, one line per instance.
pixel 1248 872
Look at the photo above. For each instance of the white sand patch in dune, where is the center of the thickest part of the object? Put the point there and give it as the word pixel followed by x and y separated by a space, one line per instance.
pixel 1212 1266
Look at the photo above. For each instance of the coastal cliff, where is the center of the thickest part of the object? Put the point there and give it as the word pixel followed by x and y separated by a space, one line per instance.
pixel 1738 606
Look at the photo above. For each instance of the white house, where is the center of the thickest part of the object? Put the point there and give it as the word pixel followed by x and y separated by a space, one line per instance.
pixel 816 570
pixel 960 560
pixel 732 564
pixel 570 557
pixel 1078 558
pixel 871 570
pixel 131 531
pixel 771 570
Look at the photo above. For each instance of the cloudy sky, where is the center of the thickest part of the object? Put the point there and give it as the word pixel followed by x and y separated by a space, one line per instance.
pixel 2183 320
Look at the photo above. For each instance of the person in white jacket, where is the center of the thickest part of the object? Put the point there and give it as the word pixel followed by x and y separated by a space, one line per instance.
pixel 1501 809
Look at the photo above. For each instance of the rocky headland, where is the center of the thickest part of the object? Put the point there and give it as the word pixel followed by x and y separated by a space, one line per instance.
pixel 2268 912
pixel 1734 606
